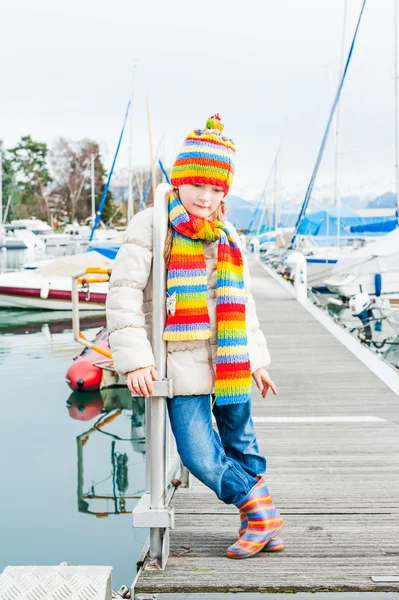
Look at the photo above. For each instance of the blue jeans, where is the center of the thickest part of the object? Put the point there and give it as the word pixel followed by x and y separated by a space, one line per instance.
pixel 227 462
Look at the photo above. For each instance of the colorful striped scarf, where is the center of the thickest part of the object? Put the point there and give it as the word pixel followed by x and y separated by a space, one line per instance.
pixel 187 285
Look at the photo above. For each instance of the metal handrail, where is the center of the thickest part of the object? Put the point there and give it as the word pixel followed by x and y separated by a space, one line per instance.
pixel 162 460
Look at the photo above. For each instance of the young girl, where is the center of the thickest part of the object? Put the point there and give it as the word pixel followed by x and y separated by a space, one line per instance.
pixel 214 342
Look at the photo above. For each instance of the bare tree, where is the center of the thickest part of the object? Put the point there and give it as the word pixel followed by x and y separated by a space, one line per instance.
pixel 70 167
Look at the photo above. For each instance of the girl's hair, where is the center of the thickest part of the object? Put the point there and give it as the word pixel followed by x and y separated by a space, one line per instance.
pixel 218 215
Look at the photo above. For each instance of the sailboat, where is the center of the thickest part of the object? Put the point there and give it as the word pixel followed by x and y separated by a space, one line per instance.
pixel 49 287
pixel 373 269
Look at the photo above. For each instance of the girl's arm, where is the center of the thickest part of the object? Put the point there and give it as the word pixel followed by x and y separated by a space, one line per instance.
pixel 128 339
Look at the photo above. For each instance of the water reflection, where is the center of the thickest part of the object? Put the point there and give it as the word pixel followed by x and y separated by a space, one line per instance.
pixel 41 467
pixel 109 451
pixel 16 321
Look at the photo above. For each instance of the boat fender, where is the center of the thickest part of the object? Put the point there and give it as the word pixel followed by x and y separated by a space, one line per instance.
pixel 45 290
pixel 378 284
pixel 83 376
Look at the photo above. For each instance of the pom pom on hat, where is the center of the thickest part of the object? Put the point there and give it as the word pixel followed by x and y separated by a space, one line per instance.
pixel 215 122
pixel 207 157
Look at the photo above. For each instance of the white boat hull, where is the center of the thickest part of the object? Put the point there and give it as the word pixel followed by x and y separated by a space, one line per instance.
pixel 25 302
pixel 348 285
pixel 33 290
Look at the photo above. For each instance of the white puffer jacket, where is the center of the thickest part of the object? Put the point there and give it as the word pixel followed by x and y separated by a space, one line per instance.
pixel 190 364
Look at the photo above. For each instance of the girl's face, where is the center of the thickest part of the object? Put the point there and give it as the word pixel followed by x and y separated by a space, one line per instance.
pixel 200 200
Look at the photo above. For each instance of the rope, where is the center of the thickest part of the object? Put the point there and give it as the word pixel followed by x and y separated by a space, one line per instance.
pixel 164 172
pixel 264 190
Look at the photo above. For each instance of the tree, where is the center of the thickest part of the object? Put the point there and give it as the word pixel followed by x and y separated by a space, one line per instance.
pixel 9 186
pixel 141 187
pixel 29 163
pixel 70 163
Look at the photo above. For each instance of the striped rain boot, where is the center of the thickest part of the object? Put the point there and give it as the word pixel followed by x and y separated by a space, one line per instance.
pixel 264 522
pixel 275 545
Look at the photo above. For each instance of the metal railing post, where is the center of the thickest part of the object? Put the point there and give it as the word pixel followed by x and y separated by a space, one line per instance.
pixel 162 460
pixel 298 260
pixel 158 405
pixel 255 246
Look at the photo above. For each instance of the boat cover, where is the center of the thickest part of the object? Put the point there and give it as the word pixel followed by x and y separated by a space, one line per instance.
pixel 380 256
pixel 74 266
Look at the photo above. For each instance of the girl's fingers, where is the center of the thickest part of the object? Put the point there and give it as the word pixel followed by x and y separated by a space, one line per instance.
pixel 143 387
pixel 130 385
pixel 136 388
pixel 273 387
pixel 150 386
pixel 267 385
pixel 154 373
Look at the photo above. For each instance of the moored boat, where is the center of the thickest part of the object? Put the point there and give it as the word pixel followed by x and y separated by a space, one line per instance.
pixel 373 269
pixel 50 287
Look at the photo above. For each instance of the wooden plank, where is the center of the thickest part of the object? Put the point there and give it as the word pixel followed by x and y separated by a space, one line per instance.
pixel 336 484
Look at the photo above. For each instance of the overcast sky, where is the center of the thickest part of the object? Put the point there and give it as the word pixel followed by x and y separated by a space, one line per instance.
pixel 66 70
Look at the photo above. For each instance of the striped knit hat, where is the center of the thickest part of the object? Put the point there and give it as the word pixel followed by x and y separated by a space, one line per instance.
pixel 206 157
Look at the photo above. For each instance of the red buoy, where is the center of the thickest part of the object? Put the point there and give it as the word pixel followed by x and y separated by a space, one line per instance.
pixel 84 375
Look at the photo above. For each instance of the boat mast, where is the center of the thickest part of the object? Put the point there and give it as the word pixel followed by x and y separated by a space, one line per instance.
pixel 130 209
pixel 93 192
pixel 395 75
pixel 263 195
pixel 309 189
pixel 337 195
pixel 153 182
pixel 275 196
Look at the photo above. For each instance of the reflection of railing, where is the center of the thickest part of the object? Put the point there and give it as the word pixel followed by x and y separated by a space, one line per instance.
pixel 163 462
pixel 120 501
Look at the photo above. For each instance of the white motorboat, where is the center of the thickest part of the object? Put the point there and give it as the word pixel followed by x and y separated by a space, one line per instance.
pixel 373 269
pixel 49 287
pixel 80 234
pixel 320 260
pixel 34 225
pixel 20 239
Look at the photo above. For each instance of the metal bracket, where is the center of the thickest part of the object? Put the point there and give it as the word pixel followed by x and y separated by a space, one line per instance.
pixel 164 388
pixel 145 516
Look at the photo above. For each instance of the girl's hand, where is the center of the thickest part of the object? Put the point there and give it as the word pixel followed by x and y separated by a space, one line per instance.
pixel 263 381
pixel 140 381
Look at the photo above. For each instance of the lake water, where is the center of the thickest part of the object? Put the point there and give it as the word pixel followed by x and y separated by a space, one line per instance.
pixel 67 488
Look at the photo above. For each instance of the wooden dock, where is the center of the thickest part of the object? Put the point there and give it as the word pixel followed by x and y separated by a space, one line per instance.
pixel 331 438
